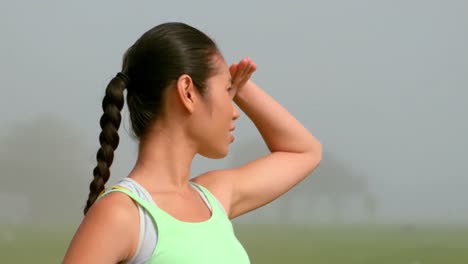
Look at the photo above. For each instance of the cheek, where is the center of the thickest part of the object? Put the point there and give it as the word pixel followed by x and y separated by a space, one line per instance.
pixel 226 108
pixel 220 109
pixel 220 103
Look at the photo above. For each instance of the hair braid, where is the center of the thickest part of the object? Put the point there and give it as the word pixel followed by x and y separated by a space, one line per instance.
pixel 109 138
pixel 154 62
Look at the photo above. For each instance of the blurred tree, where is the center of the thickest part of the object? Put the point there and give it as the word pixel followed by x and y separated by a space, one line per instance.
pixel 371 206
pixel 338 183
pixel 45 161
pixel 332 180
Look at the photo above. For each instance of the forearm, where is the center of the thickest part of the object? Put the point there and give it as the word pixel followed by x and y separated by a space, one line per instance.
pixel 280 130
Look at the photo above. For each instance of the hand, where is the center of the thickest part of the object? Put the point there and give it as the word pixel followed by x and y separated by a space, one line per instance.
pixel 241 72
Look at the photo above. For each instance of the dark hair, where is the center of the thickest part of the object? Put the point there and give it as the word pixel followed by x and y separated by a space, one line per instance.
pixel 157 59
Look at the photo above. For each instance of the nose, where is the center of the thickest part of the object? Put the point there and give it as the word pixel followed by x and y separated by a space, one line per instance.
pixel 235 112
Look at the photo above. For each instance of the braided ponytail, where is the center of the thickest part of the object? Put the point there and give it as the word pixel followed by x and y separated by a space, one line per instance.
pixel 109 138
pixel 157 59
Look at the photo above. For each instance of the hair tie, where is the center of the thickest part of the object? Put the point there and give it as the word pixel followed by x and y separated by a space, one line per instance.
pixel 123 77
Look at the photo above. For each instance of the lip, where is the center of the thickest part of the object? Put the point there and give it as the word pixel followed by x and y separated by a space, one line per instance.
pixel 230 131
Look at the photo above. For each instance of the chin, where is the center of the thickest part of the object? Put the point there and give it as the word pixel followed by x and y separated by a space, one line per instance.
pixel 219 154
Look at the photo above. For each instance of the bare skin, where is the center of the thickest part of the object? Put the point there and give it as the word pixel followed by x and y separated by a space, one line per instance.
pixel 201 124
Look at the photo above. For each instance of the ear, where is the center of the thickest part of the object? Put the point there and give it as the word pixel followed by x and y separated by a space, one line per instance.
pixel 187 92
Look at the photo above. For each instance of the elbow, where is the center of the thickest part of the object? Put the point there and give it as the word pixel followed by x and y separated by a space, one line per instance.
pixel 319 152
pixel 315 155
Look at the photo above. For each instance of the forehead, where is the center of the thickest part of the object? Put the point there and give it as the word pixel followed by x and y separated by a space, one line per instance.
pixel 222 70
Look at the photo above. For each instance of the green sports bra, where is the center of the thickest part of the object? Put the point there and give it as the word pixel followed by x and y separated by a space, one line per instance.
pixel 179 242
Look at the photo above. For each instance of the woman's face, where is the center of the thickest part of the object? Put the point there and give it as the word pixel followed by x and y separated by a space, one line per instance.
pixel 219 113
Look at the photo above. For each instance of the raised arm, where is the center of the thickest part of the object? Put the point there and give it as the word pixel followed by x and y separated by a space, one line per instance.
pixel 295 152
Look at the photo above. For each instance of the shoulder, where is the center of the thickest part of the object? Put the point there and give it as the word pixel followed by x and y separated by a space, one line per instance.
pixel 116 213
pixel 108 233
pixel 115 207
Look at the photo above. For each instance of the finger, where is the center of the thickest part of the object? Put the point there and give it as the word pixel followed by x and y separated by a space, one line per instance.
pixel 245 65
pixel 239 67
pixel 237 77
pixel 233 69
pixel 253 67
pixel 250 68
pixel 246 74
pixel 239 72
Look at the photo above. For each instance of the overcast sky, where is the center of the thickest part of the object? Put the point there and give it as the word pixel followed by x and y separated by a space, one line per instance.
pixel 382 84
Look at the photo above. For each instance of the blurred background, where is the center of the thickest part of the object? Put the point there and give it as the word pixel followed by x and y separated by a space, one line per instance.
pixel 382 84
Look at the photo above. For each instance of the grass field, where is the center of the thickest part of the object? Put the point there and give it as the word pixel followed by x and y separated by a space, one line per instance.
pixel 280 244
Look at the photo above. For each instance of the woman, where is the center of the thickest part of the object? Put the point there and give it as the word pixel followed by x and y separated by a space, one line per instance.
pixel 180 95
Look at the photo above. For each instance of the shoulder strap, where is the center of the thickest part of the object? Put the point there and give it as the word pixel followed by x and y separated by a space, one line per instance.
pixel 145 204
pixel 150 208
pixel 214 202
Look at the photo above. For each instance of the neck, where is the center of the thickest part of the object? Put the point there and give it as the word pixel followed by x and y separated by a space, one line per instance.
pixel 164 159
